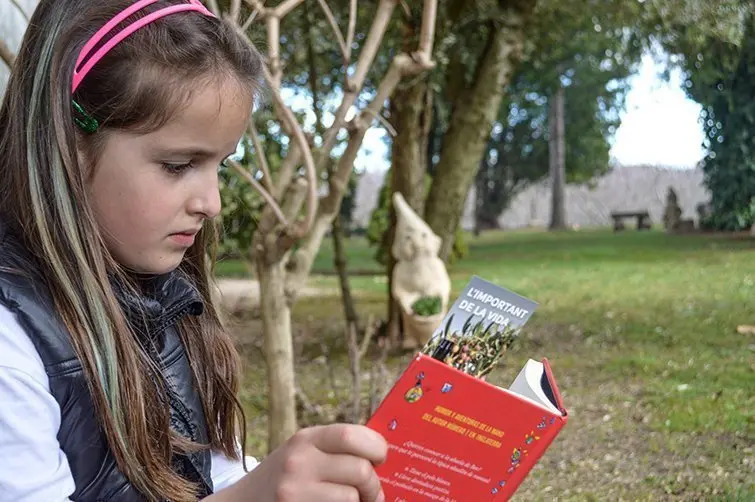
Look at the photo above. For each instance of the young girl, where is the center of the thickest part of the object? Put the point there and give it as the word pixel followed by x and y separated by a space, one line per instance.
pixel 117 380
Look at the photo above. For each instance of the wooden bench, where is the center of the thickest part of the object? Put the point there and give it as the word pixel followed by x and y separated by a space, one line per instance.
pixel 643 219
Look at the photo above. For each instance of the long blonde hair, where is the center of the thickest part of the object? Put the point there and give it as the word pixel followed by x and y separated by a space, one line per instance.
pixel 43 195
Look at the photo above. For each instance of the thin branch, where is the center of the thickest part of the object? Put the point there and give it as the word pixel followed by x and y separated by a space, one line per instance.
pixel 255 184
pixel 333 24
pixel 286 7
pixel 235 12
pixel 287 117
pixel 273 42
pixel 366 57
pixel 329 204
pixel 6 54
pixel 20 9
pixel 369 334
pixel 352 28
pixel 267 179
pixel 388 127
pixel 310 407
pixel 250 20
pixel 427 34
pixel 214 7
pixel 378 377
pixel 258 8
pixel 372 44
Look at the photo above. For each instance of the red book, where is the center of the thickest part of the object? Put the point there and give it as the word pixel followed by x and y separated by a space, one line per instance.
pixel 456 438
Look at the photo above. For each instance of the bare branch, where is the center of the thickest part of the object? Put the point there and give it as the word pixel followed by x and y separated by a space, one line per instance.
pixel 213 4
pixel 258 7
pixel 311 407
pixel 287 117
pixel 255 184
pixel 378 377
pixel 6 54
pixel 235 13
pixel 286 7
pixel 294 198
pixel 333 24
pixel 427 35
pixel 369 334
pixel 261 158
pixel 273 42
pixel 366 57
pixel 250 20
pixel 20 9
pixel 388 127
pixel 352 28
pixel 329 204
pixel 372 44
pixel 286 170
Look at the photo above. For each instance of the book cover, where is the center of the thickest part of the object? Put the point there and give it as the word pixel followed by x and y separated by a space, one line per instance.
pixel 479 327
pixel 454 437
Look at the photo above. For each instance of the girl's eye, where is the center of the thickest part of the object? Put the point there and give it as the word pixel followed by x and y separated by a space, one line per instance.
pixel 176 168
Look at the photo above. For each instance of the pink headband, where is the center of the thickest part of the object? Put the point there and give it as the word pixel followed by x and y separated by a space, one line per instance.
pixel 80 72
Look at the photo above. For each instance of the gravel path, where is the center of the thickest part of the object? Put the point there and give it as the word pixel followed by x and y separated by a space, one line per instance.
pixel 235 293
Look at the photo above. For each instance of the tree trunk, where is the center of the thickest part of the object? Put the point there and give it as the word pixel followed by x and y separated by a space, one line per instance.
pixel 279 352
pixel 350 314
pixel 409 116
pixel 471 123
pixel 557 157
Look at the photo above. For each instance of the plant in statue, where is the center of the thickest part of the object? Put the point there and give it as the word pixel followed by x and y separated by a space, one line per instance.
pixel 427 306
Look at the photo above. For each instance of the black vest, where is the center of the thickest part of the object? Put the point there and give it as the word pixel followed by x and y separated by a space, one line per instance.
pixel 81 438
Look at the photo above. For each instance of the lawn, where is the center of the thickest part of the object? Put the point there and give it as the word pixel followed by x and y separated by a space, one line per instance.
pixel 640 329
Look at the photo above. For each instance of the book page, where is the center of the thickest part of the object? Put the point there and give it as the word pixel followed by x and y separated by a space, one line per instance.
pixel 529 384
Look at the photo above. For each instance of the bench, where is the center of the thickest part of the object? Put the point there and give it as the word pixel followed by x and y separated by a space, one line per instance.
pixel 643 219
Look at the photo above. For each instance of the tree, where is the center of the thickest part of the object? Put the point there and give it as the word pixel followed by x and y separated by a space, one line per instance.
pixel 729 168
pixel 716 51
pixel 593 80
pixel 281 269
pixel 476 101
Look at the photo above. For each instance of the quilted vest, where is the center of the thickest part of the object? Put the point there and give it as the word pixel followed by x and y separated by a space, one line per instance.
pixel 166 299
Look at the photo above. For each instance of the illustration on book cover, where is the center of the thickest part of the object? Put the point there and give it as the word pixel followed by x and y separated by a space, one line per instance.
pixel 480 327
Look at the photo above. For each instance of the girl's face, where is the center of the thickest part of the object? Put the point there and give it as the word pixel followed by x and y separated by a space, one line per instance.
pixel 152 192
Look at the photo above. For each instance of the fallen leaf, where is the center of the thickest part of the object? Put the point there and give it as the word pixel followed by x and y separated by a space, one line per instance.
pixel 744 329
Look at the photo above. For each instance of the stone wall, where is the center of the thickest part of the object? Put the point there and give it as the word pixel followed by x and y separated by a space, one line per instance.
pixel 624 188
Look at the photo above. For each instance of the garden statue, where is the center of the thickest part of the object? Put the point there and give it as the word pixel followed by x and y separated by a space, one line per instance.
pixel 672 213
pixel 421 285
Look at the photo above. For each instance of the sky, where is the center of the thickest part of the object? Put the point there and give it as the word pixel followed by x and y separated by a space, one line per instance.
pixel 659 126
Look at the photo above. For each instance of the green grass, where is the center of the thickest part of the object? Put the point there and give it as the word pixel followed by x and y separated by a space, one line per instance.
pixel 640 328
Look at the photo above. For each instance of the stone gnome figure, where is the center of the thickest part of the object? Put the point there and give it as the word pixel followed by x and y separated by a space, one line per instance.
pixel 672 213
pixel 419 274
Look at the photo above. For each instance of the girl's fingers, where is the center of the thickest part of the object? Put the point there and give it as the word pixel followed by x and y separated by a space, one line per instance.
pixel 355 440
pixel 352 471
pixel 319 492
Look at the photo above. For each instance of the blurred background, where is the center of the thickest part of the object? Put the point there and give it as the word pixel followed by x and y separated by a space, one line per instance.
pixel 596 156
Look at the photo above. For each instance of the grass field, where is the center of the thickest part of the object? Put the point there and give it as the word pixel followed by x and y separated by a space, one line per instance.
pixel 641 331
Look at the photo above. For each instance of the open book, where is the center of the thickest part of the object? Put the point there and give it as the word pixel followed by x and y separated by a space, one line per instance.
pixel 533 383
pixel 454 437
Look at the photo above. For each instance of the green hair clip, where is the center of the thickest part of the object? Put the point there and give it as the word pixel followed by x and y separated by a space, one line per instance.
pixel 87 123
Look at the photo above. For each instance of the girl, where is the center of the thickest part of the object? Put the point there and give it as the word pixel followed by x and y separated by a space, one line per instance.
pixel 117 380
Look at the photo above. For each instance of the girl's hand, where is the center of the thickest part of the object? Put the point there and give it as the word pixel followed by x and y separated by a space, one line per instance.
pixel 333 463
